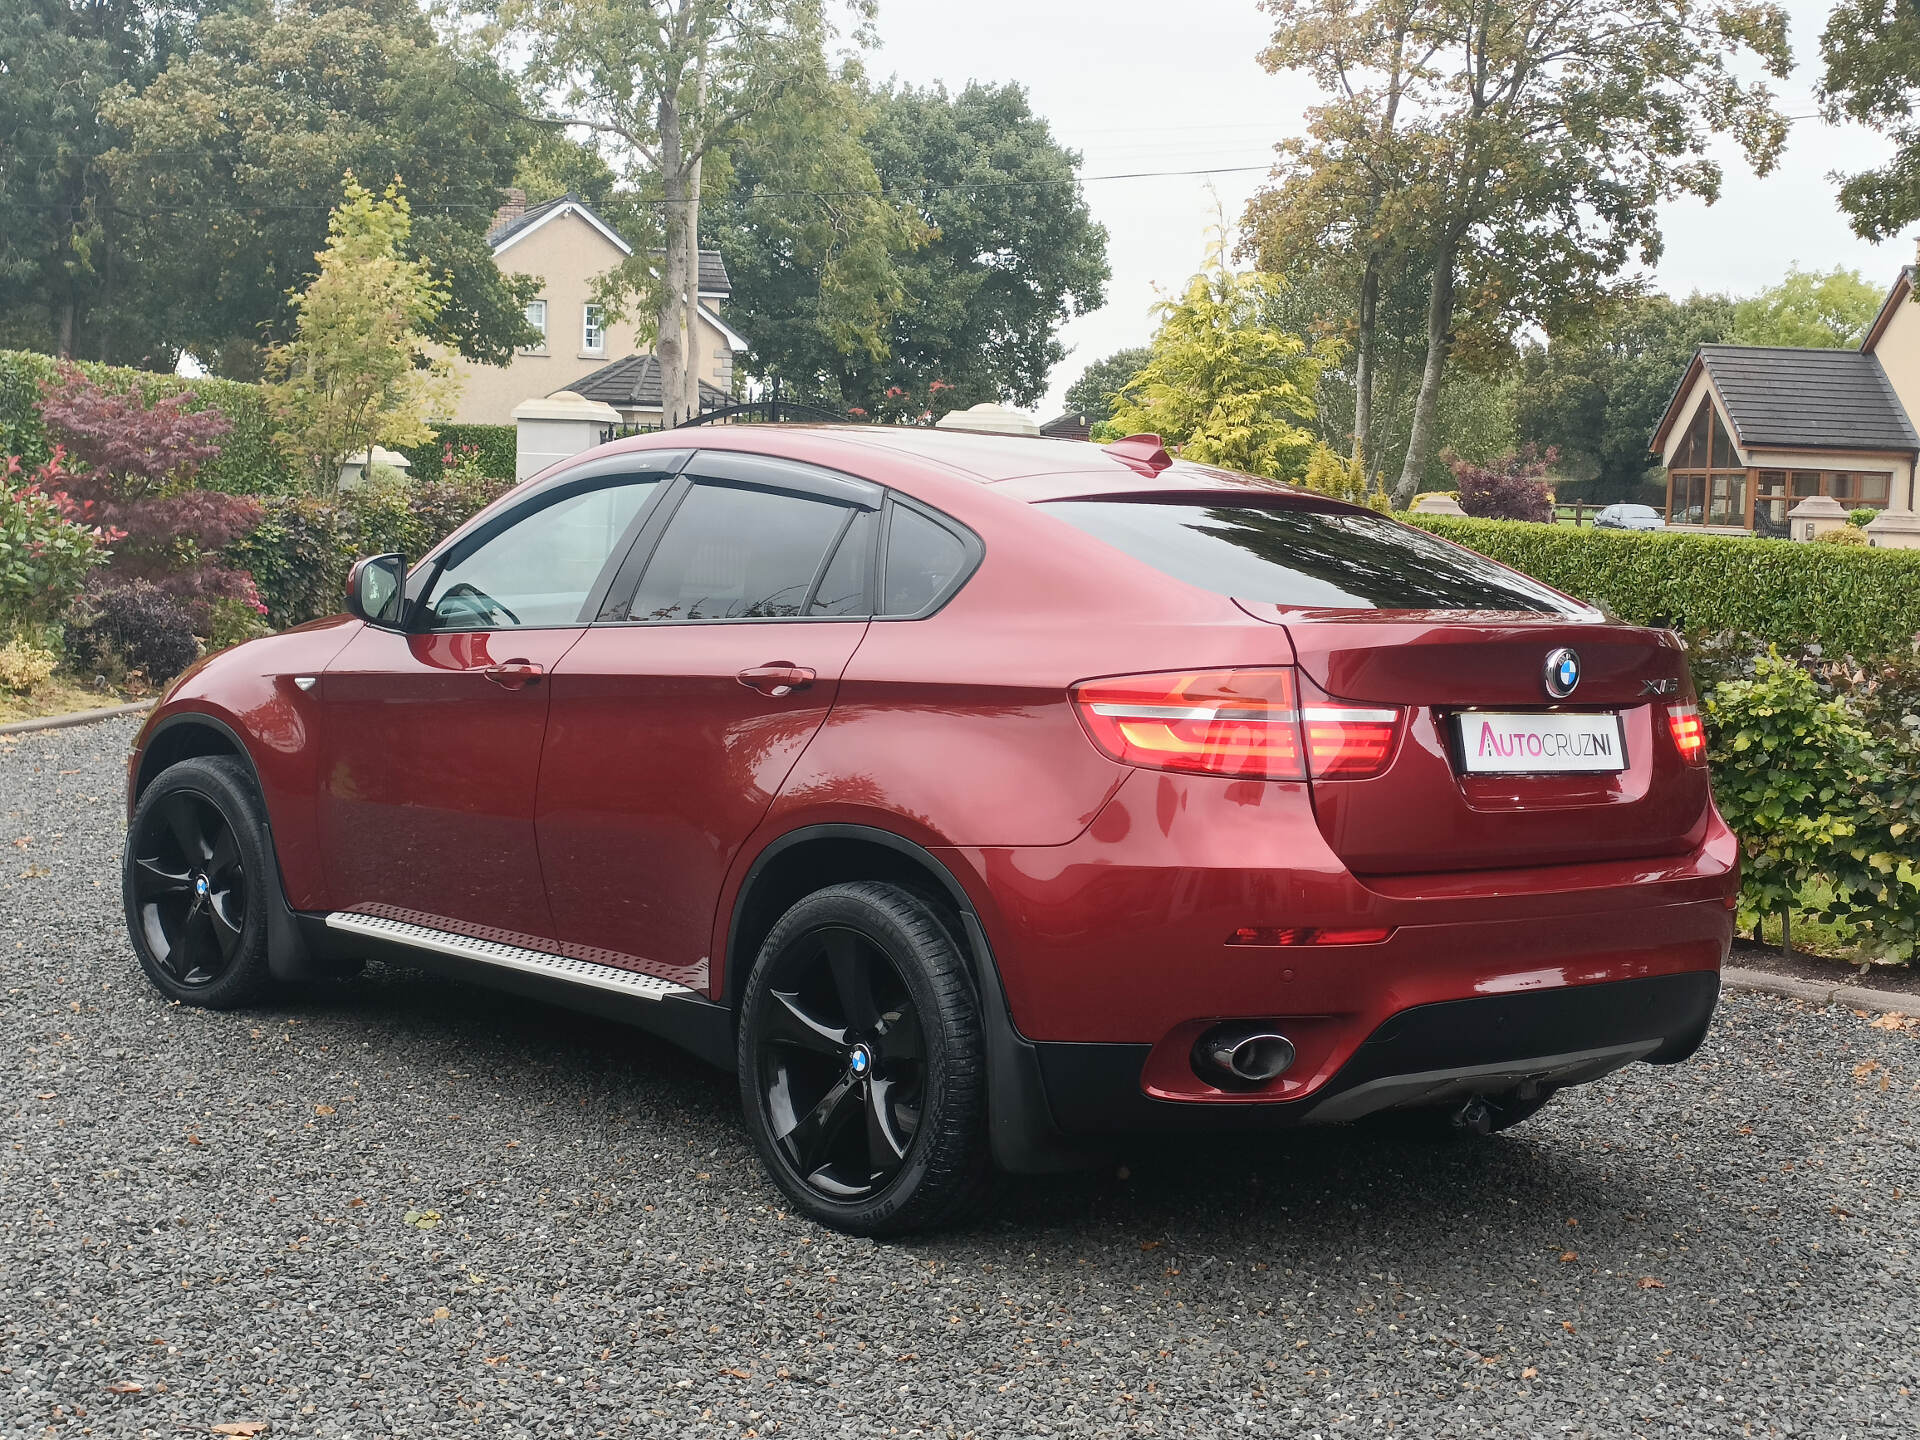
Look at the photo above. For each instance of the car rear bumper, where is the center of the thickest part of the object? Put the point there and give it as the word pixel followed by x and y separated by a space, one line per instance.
pixel 1431 1054
pixel 1116 954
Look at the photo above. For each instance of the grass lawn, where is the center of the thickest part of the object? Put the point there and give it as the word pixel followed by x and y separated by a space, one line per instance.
pixel 62 695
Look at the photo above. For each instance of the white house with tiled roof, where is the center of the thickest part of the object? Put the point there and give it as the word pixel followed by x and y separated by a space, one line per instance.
pixel 566 245
pixel 1754 430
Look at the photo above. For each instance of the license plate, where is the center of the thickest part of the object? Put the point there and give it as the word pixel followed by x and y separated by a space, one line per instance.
pixel 1496 742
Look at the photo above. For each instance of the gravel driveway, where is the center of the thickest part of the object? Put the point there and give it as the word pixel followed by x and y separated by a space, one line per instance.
pixel 398 1207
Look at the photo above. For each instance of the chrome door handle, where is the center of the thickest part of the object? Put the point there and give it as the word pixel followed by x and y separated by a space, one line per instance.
pixel 778 679
pixel 514 674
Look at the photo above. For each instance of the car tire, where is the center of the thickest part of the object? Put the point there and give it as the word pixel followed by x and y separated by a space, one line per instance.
pixel 195 883
pixel 862 1063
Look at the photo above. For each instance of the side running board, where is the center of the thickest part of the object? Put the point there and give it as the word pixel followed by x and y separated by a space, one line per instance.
pixel 510 957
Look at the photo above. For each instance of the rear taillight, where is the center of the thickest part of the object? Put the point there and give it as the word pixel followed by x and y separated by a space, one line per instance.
pixel 1346 743
pixel 1214 722
pixel 1689 736
pixel 1245 723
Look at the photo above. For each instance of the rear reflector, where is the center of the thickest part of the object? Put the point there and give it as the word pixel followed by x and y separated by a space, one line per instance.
pixel 1305 935
pixel 1689 737
pixel 1235 722
pixel 1214 722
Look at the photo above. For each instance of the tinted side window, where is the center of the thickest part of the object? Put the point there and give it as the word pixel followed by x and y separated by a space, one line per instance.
pixel 922 560
pixel 540 569
pixel 844 588
pixel 1308 559
pixel 731 553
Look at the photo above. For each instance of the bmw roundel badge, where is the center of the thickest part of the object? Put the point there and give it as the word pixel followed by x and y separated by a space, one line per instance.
pixel 859 1061
pixel 1562 673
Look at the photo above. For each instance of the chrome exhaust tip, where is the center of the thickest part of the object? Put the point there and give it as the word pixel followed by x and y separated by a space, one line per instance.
pixel 1241 1055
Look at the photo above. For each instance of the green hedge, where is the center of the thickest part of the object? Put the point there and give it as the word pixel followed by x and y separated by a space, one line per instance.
pixel 303 547
pixel 1862 601
pixel 249 462
pixel 496 444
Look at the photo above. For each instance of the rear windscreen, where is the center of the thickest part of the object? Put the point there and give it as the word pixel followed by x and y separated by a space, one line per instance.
pixel 1308 559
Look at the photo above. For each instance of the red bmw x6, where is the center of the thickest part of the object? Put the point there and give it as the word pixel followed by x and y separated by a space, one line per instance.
pixel 975 798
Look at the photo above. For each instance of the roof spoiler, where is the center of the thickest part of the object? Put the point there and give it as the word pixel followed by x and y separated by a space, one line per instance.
pixel 1144 453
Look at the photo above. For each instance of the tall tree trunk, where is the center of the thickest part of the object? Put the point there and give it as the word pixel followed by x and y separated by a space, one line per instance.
pixel 1423 437
pixel 690 239
pixel 668 344
pixel 1363 363
pixel 1367 340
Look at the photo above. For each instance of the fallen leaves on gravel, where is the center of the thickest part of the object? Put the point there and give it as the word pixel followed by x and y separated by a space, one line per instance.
pixel 127 1387
pixel 1528 1373
pixel 1567 1257
pixel 242 1427
pixel 1893 1020
pixel 323 1109
pixel 423 1219
pixel 739 1374
pixel 1647 1282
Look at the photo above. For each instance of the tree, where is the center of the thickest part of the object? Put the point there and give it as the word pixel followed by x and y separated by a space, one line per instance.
pixel 669 84
pixel 1534 143
pixel 1343 477
pixel 1871 51
pixel 71 276
pixel 1098 388
pixel 1223 385
pixel 360 370
pixel 811 244
pixel 1596 392
pixel 1827 310
pixel 1014 255
pixel 1342 205
pixel 139 459
pixel 232 154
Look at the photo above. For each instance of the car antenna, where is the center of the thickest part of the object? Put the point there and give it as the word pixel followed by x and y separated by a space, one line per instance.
pixel 1144 453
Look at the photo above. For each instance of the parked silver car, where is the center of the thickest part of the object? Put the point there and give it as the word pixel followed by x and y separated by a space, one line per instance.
pixel 1629 517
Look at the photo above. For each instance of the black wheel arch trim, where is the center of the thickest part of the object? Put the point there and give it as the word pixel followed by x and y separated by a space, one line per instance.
pixel 289 957
pixel 1024 1136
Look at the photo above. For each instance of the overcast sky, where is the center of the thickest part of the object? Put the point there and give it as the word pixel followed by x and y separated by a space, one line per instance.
pixel 1142 85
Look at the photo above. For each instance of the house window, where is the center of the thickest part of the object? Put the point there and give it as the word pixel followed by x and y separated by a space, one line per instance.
pixel 1861 488
pixel 593 337
pixel 537 322
pixel 1707 485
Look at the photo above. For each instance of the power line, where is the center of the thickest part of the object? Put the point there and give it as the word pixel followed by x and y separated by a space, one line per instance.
pixel 755 194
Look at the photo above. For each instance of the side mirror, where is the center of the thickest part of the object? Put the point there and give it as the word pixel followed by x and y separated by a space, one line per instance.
pixel 375 588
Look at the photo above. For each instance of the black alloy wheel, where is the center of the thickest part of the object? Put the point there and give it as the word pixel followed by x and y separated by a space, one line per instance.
pixel 860 1061
pixel 196 856
pixel 191 888
pixel 843 1063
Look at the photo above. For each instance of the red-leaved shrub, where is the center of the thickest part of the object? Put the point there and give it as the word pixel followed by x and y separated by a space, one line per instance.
pixel 139 459
pixel 1512 487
